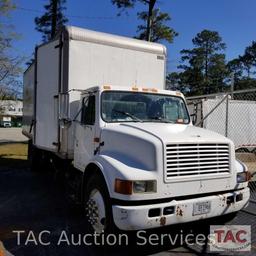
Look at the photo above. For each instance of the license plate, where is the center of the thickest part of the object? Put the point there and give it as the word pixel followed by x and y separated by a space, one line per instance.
pixel 201 208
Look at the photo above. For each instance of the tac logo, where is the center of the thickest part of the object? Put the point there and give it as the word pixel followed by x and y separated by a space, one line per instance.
pixel 230 238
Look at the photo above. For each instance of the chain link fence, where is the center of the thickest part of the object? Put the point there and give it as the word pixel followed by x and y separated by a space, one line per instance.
pixel 233 115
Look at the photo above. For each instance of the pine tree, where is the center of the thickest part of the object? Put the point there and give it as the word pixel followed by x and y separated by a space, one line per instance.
pixel 159 31
pixel 52 20
pixel 204 65
pixel 154 29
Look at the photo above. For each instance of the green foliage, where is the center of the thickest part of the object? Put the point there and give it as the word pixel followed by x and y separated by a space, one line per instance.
pixel 248 59
pixel 205 70
pixel 243 68
pixel 204 66
pixel 154 28
pixel 246 63
pixel 235 66
pixel 123 4
pixel 52 20
pixel 174 81
pixel 250 53
pixel 159 31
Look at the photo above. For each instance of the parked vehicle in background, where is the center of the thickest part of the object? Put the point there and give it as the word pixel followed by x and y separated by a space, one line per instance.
pixel 7 124
pixel 95 105
pixel 6 121
pixel 11 113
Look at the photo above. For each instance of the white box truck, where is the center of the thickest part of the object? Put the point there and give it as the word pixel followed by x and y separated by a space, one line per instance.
pixel 95 105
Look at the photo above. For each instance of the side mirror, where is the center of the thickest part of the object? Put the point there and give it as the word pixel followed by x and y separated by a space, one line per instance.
pixel 64 106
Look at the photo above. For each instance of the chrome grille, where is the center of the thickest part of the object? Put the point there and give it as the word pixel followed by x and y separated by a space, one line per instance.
pixel 196 159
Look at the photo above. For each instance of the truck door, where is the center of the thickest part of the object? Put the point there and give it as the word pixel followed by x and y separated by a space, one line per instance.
pixel 46 90
pixel 85 133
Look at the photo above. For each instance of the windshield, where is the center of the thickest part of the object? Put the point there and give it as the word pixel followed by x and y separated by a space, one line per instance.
pixel 118 106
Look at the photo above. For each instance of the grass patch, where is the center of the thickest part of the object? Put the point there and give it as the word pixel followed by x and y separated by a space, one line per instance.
pixel 13 155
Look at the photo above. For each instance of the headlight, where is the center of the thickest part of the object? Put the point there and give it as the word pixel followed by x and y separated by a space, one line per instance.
pixel 144 186
pixel 243 177
pixel 128 187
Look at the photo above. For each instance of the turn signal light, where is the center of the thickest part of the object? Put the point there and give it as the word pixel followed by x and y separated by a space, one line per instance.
pixel 123 187
pixel 243 177
pixel 107 87
pixel 127 187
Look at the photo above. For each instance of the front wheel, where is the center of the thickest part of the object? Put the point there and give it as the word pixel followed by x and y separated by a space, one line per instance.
pixel 98 207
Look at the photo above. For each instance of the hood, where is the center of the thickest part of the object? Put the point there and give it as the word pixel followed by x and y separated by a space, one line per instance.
pixel 137 150
pixel 174 133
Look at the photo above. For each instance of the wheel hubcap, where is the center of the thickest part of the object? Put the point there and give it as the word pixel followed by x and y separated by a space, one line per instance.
pixel 95 209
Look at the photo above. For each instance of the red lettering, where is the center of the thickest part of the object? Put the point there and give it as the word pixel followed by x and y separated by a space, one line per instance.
pixel 229 237
pixel 238 238
pixel 219 233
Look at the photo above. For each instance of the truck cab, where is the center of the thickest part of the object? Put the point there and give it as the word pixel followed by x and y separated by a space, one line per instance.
pixel 147 166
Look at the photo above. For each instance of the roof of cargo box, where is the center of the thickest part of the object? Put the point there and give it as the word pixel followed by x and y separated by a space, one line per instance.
pixel 81 34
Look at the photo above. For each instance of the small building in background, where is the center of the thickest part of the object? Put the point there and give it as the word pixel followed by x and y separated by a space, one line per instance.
pixel 11 113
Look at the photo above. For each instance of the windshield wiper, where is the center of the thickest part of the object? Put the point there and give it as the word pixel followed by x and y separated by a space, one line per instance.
pixel 127 114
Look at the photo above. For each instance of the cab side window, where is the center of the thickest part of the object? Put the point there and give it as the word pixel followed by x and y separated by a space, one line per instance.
pixel 88 110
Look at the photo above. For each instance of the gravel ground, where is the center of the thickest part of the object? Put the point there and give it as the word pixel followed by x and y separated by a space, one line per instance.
pixel 11 135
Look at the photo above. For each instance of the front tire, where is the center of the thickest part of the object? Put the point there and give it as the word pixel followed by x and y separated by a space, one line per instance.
pixel 98 206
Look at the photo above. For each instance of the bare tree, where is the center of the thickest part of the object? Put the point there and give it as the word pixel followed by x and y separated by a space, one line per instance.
pixel 10 66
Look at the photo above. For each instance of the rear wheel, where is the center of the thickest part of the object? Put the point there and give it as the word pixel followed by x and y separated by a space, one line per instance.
pixel 38 159
pixel 98 207
pixel 34 157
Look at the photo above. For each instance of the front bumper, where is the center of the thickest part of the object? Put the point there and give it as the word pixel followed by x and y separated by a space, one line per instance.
pixel 137 217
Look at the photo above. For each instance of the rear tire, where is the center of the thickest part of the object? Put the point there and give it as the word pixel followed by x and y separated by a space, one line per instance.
pixel 33 157
pixel 38 159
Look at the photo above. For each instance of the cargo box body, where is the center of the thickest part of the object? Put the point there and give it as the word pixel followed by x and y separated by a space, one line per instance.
pixel 77 60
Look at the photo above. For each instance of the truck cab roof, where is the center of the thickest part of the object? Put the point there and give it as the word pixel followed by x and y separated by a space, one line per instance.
pixel 132 88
